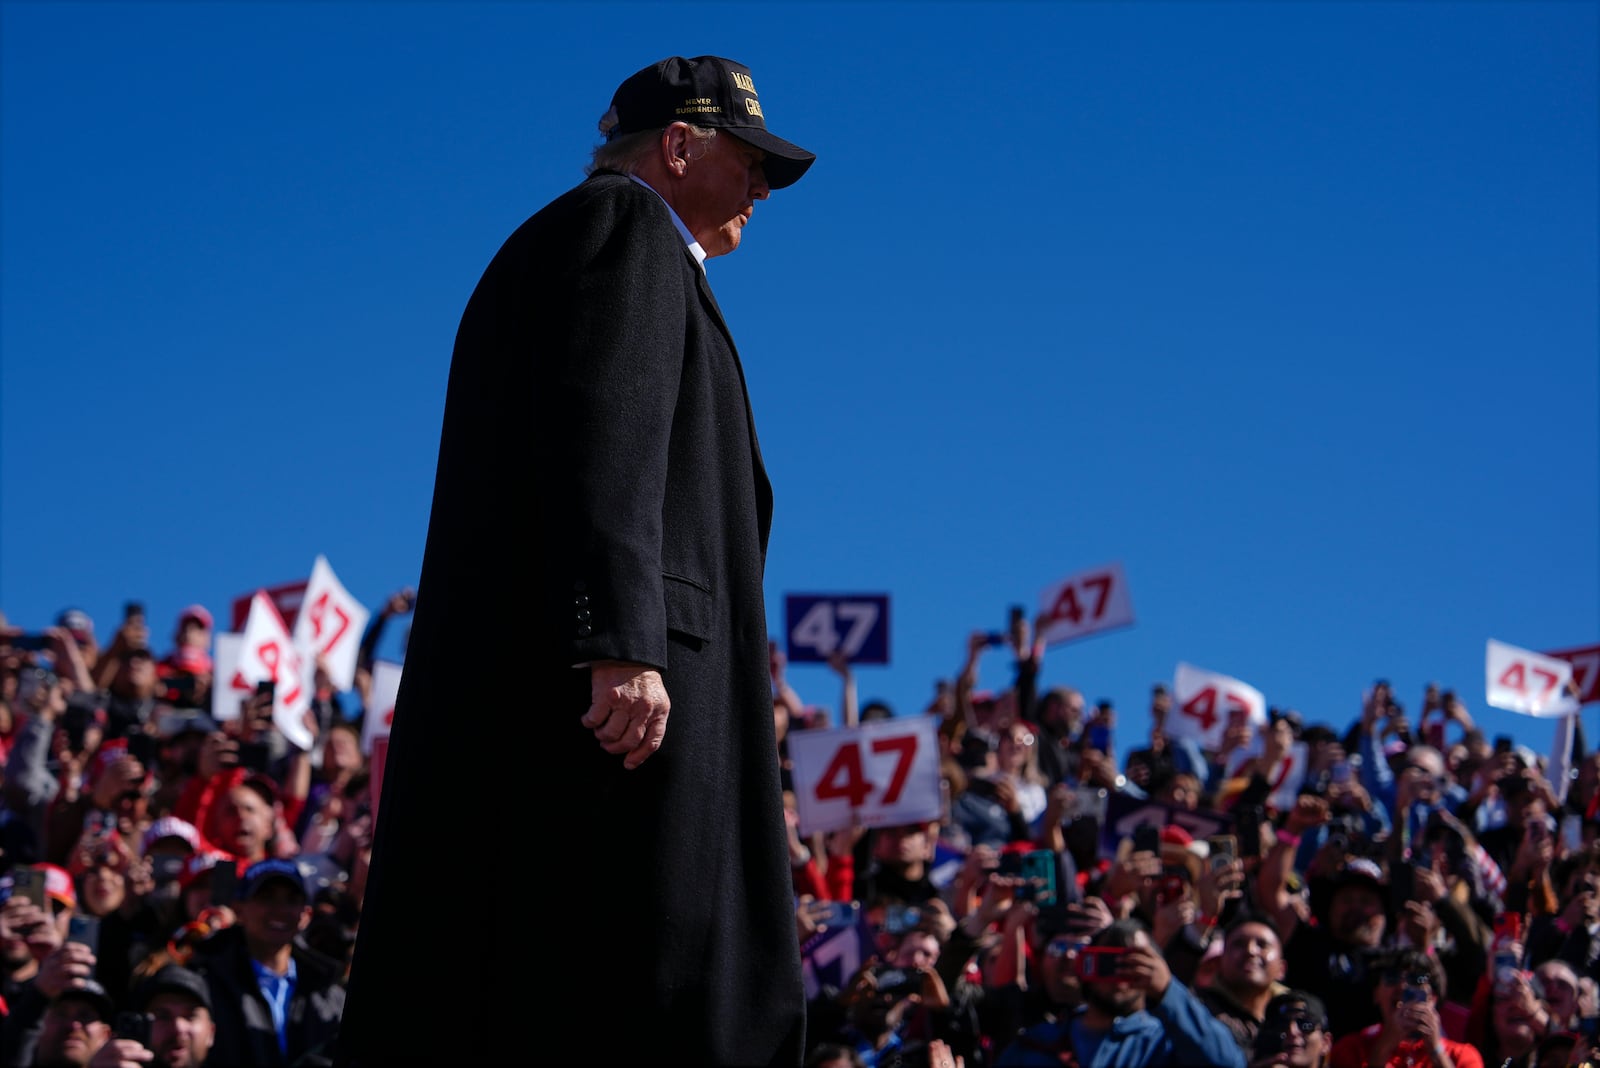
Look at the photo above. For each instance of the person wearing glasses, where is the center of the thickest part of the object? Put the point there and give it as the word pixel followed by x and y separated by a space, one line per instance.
pixel 1293 1033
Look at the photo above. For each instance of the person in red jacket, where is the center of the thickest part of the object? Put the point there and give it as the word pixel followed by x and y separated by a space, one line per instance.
pixel 1409 1034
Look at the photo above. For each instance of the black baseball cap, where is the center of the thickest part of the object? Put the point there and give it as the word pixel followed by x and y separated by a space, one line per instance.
pixel 706 91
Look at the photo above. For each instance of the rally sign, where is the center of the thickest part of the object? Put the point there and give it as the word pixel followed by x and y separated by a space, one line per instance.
pixel 1585 671
pixel 881 774
pixel 377 720
pixel 1083 604
pixel 228 686
pixel 1205 703
pixel 818 625
pixel 286 598
pixel 1124 814
pixel 830 958
pixel 1533 684
pixel 330 625
pixel 1283 779
pixel 267 652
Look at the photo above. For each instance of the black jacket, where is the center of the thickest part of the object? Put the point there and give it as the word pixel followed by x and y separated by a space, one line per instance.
pixel 245 1035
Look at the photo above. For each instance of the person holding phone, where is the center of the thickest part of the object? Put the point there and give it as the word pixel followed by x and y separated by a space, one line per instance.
pixel 1133 1004
pixel 1409 1033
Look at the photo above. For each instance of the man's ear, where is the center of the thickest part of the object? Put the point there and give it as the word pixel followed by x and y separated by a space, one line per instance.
pixel 674 149
pixel 305 917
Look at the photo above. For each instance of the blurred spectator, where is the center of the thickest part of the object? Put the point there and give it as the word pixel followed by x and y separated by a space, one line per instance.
pixel 1294 1033
pixel 75 1026
pixel 275 1000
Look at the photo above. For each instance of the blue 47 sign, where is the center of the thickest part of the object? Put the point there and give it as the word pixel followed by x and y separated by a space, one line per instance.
pixel 818 625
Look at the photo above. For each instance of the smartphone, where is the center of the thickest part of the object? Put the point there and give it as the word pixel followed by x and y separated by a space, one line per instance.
pixel 994 639
pixel 255 756
pixel 266 688
pixel 1502 743
pixel 1172 888
pixel 1147 838
pixel 1589 1027
pixel 1100 738
pixel 224 882
pixel 840 914
pixel 1411 995
pixel 1224 847
pixel 898 919
pixel 1039 868
pixel 1508 927
pixel 1247 824
pixel 132 1025
pixel 894 983
pixel 1340 773
pixel 29 883
pixel 30 643
pixel 132 610
pixel 1099 964
pixel 85 930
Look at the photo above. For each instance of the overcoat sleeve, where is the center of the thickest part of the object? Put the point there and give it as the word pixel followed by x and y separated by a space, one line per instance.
pixel 612 364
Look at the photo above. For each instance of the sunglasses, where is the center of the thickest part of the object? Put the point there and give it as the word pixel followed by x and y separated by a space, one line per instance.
pixel 1304 1024
pixel 1418 979
pixel 1063 947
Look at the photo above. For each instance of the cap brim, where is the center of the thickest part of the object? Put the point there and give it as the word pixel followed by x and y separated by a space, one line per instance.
pixel 785 163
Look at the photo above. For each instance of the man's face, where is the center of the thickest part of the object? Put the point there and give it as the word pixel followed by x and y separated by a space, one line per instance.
pixel 718 191
pixel 274 914
pixel 917 949
pixel 181 1030
pixel 72 1031
pixel 245 822
pixel 1120 997
pixel 902 845
pixel 1060 970
pixel 1355 915
pixel 1252 959
pixel 1560 987
pixel 1303 1043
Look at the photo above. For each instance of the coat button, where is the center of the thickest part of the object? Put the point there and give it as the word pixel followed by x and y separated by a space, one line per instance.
pixel 582 600
pixel 584 630
pixel 583 615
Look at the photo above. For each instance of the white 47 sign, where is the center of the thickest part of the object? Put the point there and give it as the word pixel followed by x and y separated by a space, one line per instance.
pixel 1527 682
pixel 880 774
pixel 1086 603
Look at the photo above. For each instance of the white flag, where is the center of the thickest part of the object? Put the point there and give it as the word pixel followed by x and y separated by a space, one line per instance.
pixel 1206 703
pixel 1519 680
pixel 330 624
pixel 266 652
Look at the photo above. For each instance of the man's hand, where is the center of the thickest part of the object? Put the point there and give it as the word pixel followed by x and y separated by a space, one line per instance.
pixel 628 709
pixel 1144 967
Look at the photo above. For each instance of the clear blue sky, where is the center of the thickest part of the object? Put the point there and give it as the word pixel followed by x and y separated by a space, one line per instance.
pixel 1290 308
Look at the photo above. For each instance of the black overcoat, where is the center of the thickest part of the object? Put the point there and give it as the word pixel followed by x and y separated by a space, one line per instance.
pixel 599 495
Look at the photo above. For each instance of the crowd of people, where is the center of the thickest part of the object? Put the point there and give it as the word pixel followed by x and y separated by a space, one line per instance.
pixel 180 890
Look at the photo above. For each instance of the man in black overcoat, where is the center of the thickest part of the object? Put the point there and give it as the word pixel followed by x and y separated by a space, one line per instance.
pixel 598 534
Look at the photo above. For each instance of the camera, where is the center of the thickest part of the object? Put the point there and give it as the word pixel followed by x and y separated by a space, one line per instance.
pixel 1099 964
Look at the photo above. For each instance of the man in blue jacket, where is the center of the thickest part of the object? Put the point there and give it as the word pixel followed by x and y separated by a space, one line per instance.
pixel 1136 1015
